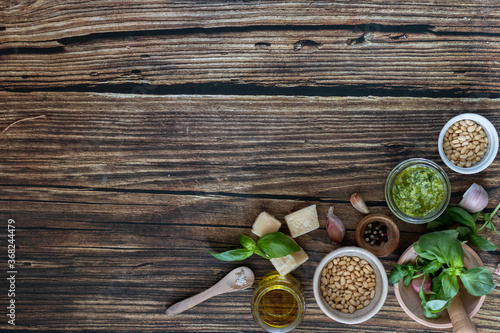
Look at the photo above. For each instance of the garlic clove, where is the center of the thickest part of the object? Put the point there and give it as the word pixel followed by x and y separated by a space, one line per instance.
pixel 497 270
pixel 474 199
pixel 358 203
pixel 334 227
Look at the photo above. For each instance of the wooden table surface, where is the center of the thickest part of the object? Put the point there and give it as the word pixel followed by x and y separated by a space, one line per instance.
pixel 138 134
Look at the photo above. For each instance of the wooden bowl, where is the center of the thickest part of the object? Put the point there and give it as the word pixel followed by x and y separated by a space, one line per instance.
pixel 386 248
pixel 410 301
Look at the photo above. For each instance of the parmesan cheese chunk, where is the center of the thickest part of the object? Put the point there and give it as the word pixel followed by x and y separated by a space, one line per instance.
pixel 286 264
pixel 265 224
pixel 302 221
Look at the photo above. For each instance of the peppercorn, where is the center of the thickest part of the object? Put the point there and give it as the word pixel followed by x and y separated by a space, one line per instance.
pixel 375 233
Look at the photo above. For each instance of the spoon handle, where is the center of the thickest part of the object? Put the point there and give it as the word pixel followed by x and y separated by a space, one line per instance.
pixel 188 303
pixel 459 318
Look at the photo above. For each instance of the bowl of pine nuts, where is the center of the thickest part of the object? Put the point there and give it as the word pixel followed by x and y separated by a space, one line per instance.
pixel 468 143
pixel 350 285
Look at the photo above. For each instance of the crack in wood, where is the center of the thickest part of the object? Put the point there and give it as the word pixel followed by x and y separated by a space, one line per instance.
pixel 262 45
pixel 144 265
pixel 232 89
pixel 200 193
pixel 397 31
pixel 354 41
pixel 306 44
pixel 371 27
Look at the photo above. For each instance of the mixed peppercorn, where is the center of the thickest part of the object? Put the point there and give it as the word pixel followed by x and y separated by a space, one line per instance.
pixel 375 233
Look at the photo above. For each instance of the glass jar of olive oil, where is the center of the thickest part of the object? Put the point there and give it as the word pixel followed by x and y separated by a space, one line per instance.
pixel 278 303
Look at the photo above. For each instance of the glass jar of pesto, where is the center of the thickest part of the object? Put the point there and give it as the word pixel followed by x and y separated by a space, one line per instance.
pixel 417 190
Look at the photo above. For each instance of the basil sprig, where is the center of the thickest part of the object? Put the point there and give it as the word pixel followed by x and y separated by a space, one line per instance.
pixel 272 245
pixel 441 258
pixel 467 225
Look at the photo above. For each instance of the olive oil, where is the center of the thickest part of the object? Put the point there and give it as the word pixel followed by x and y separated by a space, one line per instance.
pixel 278 308
pixel 278 304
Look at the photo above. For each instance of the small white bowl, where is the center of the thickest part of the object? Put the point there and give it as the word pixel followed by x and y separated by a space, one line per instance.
pixel 381 286
pixel 491 150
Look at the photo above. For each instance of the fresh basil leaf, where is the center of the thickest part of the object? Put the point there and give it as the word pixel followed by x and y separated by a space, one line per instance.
pixel 260 253
pixel 397 274
pixel 277 245
pixel 423 254
pixel 463 232
pixel 488 218
pixel 460 215
pixel 407 280
pixel 432 267
pixel 444 245
pixel 233 255
pixel 436 286
pixel 247 242
pixel 409 267
pixel 482 243
pixel 437 305
pixel 449 285
pixel 434 225
pixel 491 226
pixel 423 298
pixel 478 281
pixel 489 223
pixel 443 221
pixel 475 216
pixel 430 315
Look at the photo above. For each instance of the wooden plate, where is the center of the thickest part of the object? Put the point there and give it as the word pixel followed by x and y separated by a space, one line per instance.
pixel 410 301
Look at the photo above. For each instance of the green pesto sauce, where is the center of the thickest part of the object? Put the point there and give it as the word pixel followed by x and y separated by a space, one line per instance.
pixel 418 191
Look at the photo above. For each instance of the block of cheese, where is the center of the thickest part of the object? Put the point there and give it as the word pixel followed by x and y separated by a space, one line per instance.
pixel 286 264
pixel 265 224
pixel 302 221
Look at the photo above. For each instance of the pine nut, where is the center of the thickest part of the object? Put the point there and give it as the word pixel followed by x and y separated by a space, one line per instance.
pixel 465 143
pixel 347 284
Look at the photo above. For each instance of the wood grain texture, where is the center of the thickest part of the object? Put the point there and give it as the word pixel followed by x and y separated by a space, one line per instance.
pixel 116 197
pixel 311 62
pixel 41 23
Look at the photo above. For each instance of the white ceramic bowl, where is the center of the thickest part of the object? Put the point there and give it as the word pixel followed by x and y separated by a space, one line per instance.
pixel 381 287
pixel 491 151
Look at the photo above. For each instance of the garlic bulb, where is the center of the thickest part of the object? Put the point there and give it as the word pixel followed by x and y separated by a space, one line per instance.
pixel 334 227
pixel 474 199
pixel 359 204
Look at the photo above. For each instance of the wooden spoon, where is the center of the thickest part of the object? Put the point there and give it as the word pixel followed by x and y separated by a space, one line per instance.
pixel 459 318
pixel 238 279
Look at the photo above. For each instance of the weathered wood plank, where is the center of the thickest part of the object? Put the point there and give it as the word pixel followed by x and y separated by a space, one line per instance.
pixel 251 145
pixel 338 62
pixel 115 267
pixel 31 23
pixel 116 197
